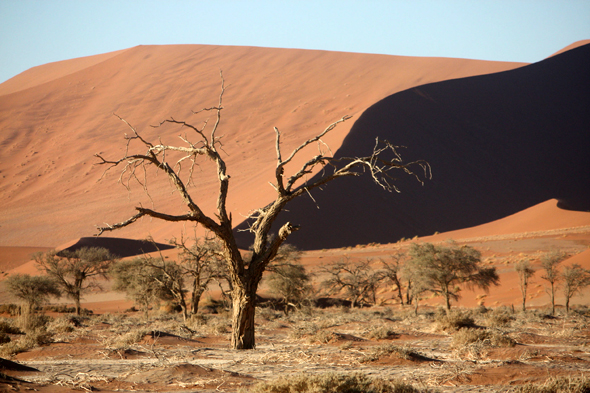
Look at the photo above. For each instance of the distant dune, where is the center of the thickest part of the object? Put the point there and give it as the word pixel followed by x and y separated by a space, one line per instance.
pixel 55 117
pixel 497 144
pixel 118 247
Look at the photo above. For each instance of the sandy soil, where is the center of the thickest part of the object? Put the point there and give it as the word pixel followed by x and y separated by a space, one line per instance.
pixel 99 353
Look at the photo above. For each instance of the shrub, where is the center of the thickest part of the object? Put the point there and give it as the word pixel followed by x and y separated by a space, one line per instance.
pixel 129 338
pixel 381 351
pixel 11 309
pixel 557 385
pixel 453 320
pixel 29 341
pixel 65 324
pixel 381 333
pixel 8 327
pixel 4 338
pixel 332 382
pixel 486 337
pixel 32 322
pixel 499 317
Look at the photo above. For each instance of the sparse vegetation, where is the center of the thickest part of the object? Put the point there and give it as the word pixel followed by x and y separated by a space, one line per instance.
pixel 388 350
pixel 288 279
pixel 33 291
pixel 357 279
pixel 575 278
pixel 525 271
pixel 332 382
pixel 454 320
pixel 75 271
pixel 566 384
pixel 550 263
pixel 442 270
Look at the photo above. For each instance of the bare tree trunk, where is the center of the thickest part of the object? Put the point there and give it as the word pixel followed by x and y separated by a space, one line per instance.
pixel 243 313
pixel 552 299
pixel 447 298
pixel 196 297
pixel 408 295
pixel 399 293
pixel 76 298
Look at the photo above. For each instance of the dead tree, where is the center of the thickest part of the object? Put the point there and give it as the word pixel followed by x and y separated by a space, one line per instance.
pixel 245 275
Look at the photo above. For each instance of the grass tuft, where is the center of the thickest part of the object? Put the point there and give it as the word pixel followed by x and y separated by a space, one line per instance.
pixel 332 382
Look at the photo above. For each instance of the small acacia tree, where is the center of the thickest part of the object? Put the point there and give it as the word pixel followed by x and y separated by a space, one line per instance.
pixel 550 263
pixel 136 279
pixel 75 272
pixel 33 291
pixel 392 272
pixel 444 269
pixel 416 287
pixel 199 262
pixel 525 271
pixel 245 274
pixel 290 282
pixel 575 278
pixel 358 280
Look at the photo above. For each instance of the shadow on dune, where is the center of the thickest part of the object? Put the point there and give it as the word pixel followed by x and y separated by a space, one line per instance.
pixel 497 144
pixel 117 246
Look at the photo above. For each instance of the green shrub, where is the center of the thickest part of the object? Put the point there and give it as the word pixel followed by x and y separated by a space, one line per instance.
pixel 331 382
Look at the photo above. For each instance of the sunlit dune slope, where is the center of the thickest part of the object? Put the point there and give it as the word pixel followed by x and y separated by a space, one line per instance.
pixel 497 144
pixel 54 118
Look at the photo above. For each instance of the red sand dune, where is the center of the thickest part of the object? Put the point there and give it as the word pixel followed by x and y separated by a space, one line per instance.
pixel 118 247
pixel 54 118
pixel 497 144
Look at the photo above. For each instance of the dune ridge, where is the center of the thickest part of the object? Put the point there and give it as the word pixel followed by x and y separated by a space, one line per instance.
pixel 497 144
pixel 53 125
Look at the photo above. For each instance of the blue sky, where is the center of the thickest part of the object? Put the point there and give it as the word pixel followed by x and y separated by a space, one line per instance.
pixel 35 32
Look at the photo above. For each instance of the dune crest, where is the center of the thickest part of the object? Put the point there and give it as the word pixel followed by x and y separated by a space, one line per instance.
pixel 497 144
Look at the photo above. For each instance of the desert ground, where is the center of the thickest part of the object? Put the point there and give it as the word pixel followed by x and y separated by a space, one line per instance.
pixel 115 349
pixel 507 144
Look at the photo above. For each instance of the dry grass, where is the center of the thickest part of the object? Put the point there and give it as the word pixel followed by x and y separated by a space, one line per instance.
pixel 381 332
pixel 331 382
pixel 29 341
pixel 558 385
pixel 389 350
pixel 454 320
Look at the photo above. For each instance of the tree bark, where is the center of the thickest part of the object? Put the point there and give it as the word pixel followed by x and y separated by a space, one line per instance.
pixel 552 299
pixel 195 299
pixel 77 305
pixel 243 313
